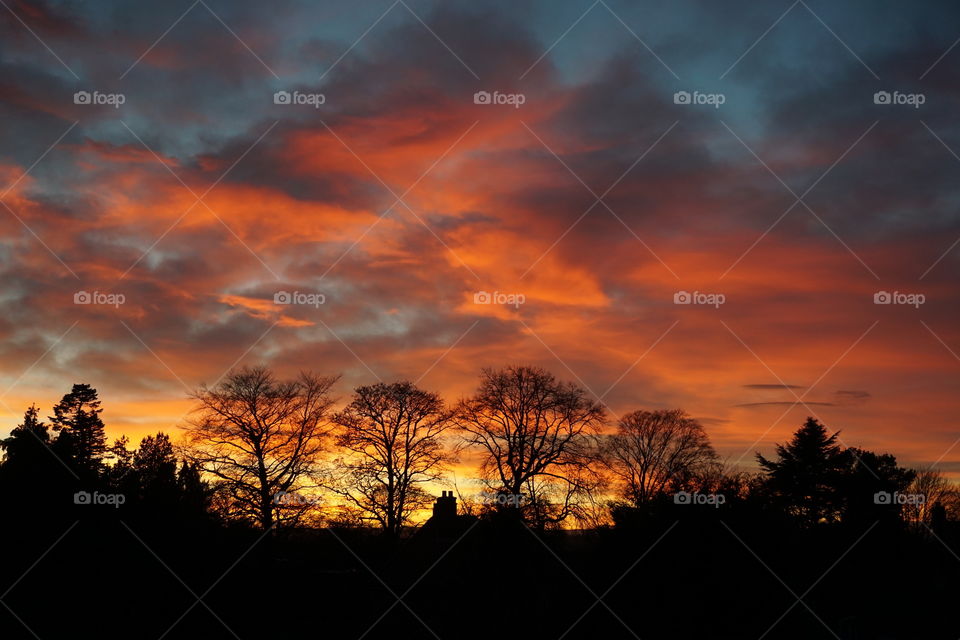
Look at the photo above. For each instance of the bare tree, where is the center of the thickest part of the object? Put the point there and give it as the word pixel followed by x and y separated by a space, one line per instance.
pixel 261 438
pixel 392 437
pixel 935 489
pixel 654 451
pixel 536 438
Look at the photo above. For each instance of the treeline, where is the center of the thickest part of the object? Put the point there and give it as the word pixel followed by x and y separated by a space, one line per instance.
pixel 277 454
pixel 51 467
pixel 281 510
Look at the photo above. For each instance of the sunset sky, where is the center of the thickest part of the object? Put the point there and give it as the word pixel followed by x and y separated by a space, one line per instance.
pixel 400 198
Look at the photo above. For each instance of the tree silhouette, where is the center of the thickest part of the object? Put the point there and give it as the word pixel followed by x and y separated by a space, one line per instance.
pixel 804 479
pixel 25 447
pixel 81 440
pixel 119 474
pixel 535 436
pixel 29 467
pixel 148 477
pixel 936 490
pixel 653 451
pixel 392 437
pixel 260 437
pixel 866 475
pixel 155 468
pixel 193 491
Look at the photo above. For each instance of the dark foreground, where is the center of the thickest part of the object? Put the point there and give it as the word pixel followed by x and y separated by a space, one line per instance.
pixel 690 572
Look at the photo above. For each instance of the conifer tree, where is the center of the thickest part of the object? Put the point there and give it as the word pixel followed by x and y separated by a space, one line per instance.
pixel 81 442
pixel 806 476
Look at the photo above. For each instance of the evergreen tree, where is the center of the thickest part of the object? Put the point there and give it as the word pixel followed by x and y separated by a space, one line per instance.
pixel 81 439
pixel 194 492
pixel 867 476
pixel 27 441
pixel 120 474
pixel 806 476
pixel 155 469
pixel 30 477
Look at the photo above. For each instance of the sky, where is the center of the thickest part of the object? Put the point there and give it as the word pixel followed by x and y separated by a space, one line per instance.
pixel 746 210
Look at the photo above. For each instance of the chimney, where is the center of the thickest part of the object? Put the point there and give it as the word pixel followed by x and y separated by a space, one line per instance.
pixel 445 508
